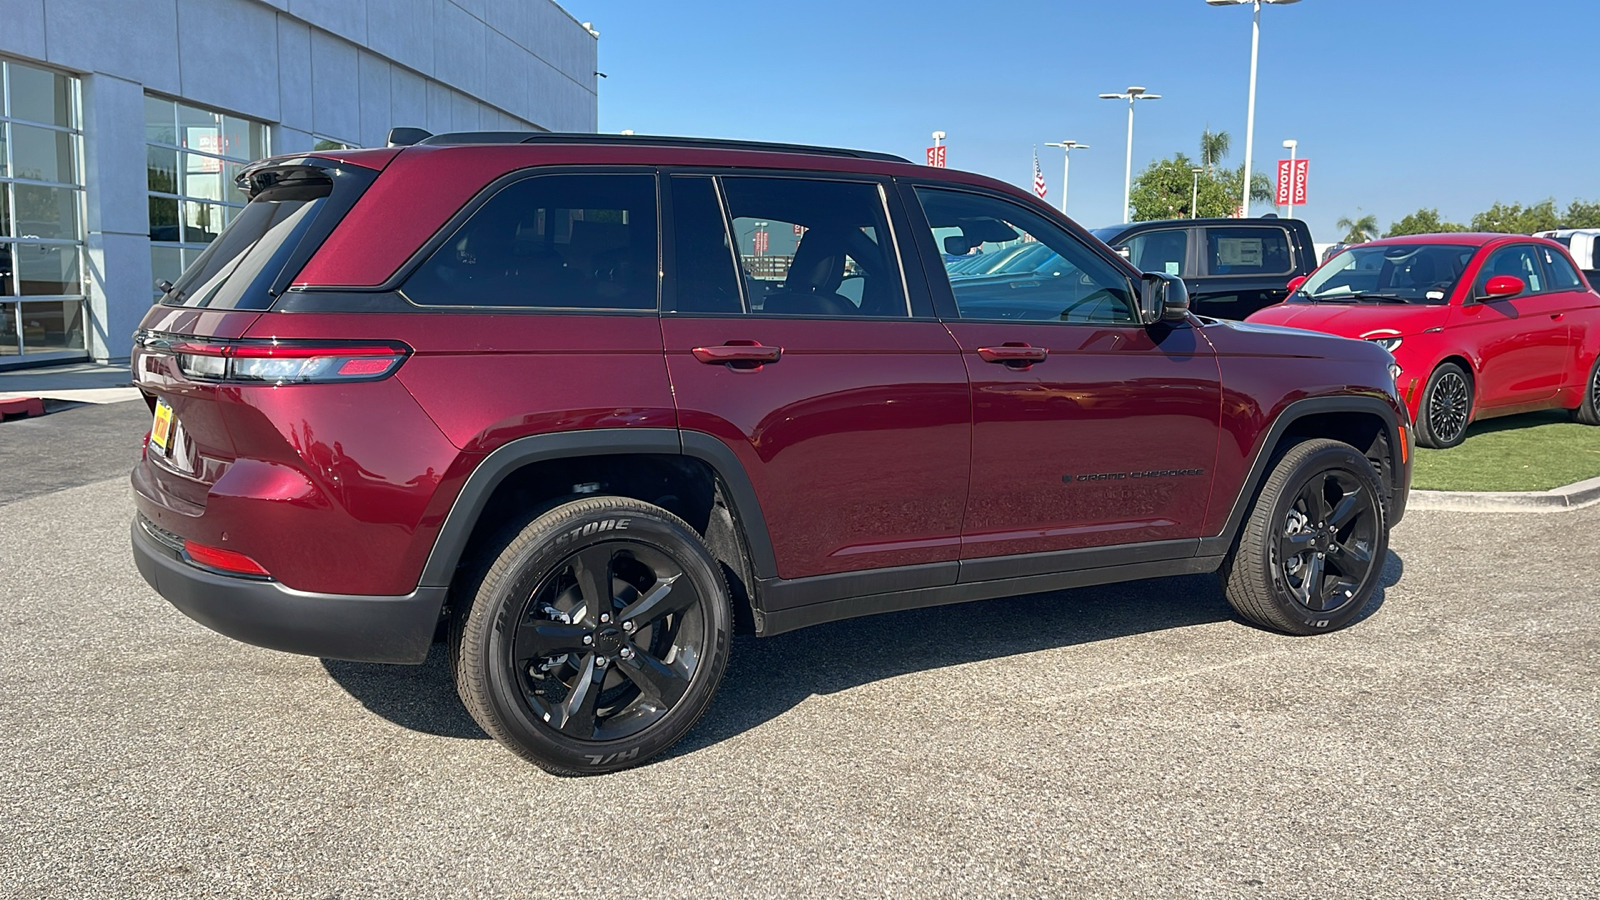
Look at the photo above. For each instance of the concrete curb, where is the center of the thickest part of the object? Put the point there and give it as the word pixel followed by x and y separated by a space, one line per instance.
pixel 1572 496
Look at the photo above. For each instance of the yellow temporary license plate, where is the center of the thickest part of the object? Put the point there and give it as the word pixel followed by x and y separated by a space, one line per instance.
pixel 161 430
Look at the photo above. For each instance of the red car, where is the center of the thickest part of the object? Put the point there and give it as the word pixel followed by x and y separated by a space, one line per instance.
pixel 1480 325
pixel 588 403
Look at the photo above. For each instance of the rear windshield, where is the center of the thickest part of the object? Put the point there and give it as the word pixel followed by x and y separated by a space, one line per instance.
pixel 236 271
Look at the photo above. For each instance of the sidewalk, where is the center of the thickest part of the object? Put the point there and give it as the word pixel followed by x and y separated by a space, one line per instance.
pixel 73 383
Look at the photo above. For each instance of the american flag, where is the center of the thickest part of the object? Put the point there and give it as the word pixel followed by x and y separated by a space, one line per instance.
pixel 1038 176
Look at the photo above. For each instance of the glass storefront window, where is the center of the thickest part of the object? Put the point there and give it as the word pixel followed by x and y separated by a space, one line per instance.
pixel 193 155
pixel 41 212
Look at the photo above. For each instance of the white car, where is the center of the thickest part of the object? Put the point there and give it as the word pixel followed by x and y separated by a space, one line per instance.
pixel 1584 245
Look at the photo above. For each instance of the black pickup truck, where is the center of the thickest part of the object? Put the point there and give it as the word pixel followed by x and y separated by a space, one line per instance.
pixel 1232 267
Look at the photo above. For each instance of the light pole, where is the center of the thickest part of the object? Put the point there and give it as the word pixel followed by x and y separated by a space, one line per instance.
pixel 1250 117
pixel 1291 144
pixel 1131 94
pixel 1194 198
pixel 1066 164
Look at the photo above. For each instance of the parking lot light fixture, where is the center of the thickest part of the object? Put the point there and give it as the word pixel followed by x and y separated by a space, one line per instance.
pixel 1290 145
pixel 1066 165
pixel 1250 116
pixel 1133 93
pixel 1194 198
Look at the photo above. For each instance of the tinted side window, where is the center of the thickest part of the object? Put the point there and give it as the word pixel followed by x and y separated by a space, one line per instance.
pixel 704 277
pixel 1518 261
pixel 1006 262
pixel 814 248
pixel 550 242
pixel 1563 277
pixel 1165 251
pixel 1242 250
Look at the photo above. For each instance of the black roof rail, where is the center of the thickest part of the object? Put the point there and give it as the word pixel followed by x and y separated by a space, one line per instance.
pixel 405 137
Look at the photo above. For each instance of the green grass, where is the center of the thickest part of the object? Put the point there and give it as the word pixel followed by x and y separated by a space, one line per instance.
pixel 1531 452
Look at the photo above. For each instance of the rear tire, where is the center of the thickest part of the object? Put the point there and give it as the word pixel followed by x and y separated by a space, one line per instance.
pixel 597 638
pixel 1313 546
pixel 1588 412
pixel 1446 408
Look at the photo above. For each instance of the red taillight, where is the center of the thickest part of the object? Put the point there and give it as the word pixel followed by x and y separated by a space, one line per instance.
pixel 218 558
pixel 287 362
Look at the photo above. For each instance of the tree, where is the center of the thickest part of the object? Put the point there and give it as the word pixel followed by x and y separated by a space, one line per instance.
pixel 1423 221
pixel 1165 187
pixel 1260 185
pixel 1515 219
pixel 1358 231
pixel 1213 147
pixel 1581 214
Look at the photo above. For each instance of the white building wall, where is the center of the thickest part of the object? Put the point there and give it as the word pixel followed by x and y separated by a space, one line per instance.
pixel 342 69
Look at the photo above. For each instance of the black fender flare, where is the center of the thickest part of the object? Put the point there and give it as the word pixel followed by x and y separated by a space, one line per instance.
pixel 468 506
pixel 1377 406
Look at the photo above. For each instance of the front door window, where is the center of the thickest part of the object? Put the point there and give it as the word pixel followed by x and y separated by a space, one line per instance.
pixel 1089 429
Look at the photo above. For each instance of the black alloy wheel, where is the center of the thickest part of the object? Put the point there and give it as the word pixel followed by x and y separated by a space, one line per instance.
pixel 608 642
pixel 596 639
pixel 1328 534
pixel 1311 552
pixel 1446 408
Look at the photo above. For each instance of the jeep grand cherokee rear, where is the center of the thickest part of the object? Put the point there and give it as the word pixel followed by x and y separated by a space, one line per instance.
pixel 591 401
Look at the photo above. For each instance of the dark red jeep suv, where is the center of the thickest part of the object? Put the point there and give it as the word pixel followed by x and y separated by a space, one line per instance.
pixel 586 403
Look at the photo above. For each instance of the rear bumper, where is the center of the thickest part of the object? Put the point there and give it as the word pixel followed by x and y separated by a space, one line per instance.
pixel 267 614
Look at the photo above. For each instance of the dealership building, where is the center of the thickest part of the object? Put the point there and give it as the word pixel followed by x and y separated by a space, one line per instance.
pixel 123 122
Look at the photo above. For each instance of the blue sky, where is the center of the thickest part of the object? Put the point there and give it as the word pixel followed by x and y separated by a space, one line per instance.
pixel 1397 103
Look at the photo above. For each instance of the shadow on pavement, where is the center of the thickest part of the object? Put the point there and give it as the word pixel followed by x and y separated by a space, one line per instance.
pixel 422 698
pixel 767 677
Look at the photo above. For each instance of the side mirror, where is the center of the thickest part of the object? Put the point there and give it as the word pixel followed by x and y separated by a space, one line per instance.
pixel 1162 298
pixel 1296 282
pixel 1501 286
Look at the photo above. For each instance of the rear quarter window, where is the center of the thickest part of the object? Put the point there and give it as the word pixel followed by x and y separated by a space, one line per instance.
pixel 557 241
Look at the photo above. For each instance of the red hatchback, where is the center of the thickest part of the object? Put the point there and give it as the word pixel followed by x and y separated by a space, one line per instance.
pixel 1480 325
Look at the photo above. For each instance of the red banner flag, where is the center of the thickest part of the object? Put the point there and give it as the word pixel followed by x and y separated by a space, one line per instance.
pixel 1292 176
pixel 936 156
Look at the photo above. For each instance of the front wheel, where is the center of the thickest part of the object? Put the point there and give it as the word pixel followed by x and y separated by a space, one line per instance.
pixel 597 638
pixel 1446 408
pixel 1312 549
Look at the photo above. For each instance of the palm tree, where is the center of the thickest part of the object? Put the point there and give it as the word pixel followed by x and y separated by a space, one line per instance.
pixel 1213 147
pixel 1359 231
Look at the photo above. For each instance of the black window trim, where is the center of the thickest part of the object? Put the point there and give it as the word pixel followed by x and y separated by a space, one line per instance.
pixel 669 245
pixel 1205 254
pixel 919 305
pixel 939 281
pixel 396 282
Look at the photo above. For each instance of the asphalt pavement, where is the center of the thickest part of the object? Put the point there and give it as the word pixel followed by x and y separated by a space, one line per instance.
pixel 1126 741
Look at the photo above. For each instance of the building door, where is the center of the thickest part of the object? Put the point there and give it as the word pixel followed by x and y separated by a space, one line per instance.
pixel 41 216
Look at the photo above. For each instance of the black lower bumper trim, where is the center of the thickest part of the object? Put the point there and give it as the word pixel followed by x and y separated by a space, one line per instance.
pixel 265 613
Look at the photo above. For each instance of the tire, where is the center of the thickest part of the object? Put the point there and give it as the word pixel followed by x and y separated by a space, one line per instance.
pixel 581 675
pixel 1446 408
pixel 1320 515
pixel 1588 412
